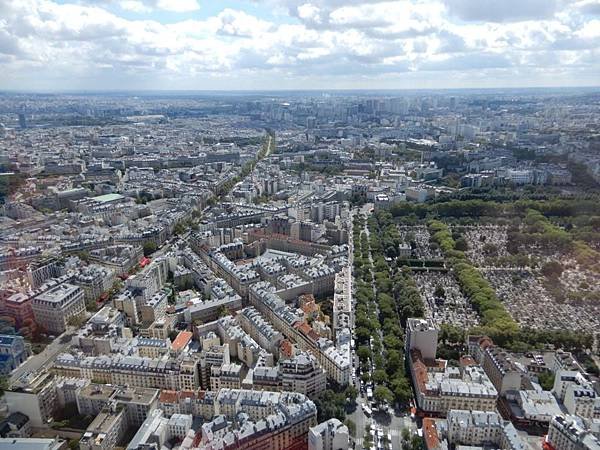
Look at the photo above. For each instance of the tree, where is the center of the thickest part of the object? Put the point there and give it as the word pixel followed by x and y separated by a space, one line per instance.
pixel 401 389
pixel 451 333
pixel 461 244
pixel 552 269
pixel 351 426
pixel 380 376
pixel 405 437
pixel 393 361
pixel 439 291
pixel 180 228
pixel 83 255
pixel 417 443
pixel 351 392
pixel 76 321
pixel 490 249
pixel 223 311
pixel 149 248
pixel 546 380
pixel 331 404
pixel 363 353
pixel 383 395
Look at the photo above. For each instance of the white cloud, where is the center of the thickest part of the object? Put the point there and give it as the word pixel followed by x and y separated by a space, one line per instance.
pixel 135 6
pixel 346 42
pixel 309 13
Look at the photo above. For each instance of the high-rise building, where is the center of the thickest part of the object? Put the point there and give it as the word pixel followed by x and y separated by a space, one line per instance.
pixel 422 335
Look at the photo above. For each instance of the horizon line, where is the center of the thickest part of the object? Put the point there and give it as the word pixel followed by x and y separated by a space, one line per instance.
pixel 280 90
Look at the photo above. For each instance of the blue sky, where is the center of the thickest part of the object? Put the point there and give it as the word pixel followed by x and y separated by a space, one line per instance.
pixel 298 44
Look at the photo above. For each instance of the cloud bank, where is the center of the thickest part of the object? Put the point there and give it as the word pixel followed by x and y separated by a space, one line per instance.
pixel 299 44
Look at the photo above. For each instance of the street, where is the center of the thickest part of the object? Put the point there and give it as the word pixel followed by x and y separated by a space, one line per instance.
pixel 36 362
pixel 390 425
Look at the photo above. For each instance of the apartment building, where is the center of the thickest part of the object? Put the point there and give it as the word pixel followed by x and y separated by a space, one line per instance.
pixel 329 435
pixel 227 376
pixel 336 363
pixel 480 428
pixel 35 396
pixel 121 370
pixel 302 373
pixel 438 387
pixel 278 421
pixel 569 433
pixel 18 306
pixel 260 329
pixel 53 309
pixel 105 432
pixel 95 280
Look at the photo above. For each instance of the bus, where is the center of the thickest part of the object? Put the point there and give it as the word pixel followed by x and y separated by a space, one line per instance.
pixel 367 410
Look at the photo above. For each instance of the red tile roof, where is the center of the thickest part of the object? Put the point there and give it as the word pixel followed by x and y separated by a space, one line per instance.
pixel 419 370
pixel 286 348
pixel 466 360
pixel 432 440
pixel 168 396
pixel 182 339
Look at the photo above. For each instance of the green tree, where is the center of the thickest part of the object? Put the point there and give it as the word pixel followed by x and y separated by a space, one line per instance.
pixel 380 376
pixel 461 244
pixel 149 248
pixel 382 394
pixel 351 426
pixel 351 392
pixel 546 380
pixel 439 291
pixel 552 269
pixel 401 389
pixel 363 353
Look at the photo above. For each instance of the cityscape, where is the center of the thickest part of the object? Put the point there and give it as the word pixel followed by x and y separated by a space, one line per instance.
pixel 268 268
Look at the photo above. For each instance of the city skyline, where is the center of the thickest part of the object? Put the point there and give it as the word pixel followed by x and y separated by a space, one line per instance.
pixel 97 45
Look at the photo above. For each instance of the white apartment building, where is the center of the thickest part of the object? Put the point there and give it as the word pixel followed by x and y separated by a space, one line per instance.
pixel 53 308
pixel 569 433
pixel 582 401
pixel 35 397
pixel 421 334
pixel 577 394
pixel 179 424
pixel 439 388
pixel 329 435
pixel 477 428
pixel 105 432
pixel 302 373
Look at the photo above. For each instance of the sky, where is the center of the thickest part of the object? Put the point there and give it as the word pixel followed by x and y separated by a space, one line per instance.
pixel 56 45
